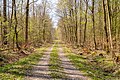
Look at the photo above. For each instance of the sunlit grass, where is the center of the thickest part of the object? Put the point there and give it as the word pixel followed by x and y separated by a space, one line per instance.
pixel 92 70
pixel 17 70
pixel 55 64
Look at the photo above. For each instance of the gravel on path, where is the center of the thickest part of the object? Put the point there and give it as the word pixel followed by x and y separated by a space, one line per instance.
pixel 70 71
pixel 40 71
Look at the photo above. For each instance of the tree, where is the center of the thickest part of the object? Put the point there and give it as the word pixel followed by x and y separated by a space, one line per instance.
pixel 16 28
pixel 26 26
pixel 16 23
pixel 80 40
pixel 93 20
pixel 109 28
pixel 76 23
pixel 86 12
pixel 5 20
pixel 105 27
pixel 44 20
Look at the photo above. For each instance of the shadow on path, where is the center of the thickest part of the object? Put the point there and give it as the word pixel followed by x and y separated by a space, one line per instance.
pixel 40 71
pixel 70 71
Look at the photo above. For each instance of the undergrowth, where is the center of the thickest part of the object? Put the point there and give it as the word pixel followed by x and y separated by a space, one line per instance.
pixel 92 69
pixel 17 70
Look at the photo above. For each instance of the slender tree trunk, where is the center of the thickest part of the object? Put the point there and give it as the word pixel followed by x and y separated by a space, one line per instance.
pixel 16 22
pixel 105 27
pixel 65 33
pixel 8 3
pixel 5 19
pixel 101 42
pixel 80 22
pixel 1 29
pixel 21 12
pixel 27 16
pixel 109 28
pixel 11 21
pixel 93 19
pixel 33 9
pixel 86 12
pixel 76 25
pixel 44 24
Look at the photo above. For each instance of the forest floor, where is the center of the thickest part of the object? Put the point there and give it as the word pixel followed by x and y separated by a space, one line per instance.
pixel 59 62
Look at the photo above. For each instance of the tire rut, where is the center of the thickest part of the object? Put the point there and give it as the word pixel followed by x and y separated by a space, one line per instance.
pixel 41 71
pixel 69 70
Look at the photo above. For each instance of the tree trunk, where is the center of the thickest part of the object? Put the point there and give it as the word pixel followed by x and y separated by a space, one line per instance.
pixel 26 28
pixel 105 27
pixel 44 24
pixel 5 19
pixel 93 19
pixel 109 28
pixel 80 40
pixel 16 32
pixel 86 12
pixel 76 25
pixel 1 29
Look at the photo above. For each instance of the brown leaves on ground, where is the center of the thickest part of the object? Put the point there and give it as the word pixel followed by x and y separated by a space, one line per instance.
pixel 9 56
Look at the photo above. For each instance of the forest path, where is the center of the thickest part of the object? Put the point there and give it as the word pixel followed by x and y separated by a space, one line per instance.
pixel 41 70
pixel 69 69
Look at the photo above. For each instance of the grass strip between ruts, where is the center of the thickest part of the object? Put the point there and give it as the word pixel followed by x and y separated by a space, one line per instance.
pixel 55 64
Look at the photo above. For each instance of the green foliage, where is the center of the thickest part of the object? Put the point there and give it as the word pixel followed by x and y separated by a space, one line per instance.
pixel 5 23
pixel 1 19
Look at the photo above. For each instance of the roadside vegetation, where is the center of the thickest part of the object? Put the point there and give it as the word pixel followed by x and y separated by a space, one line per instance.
pixel 96 67
pixel 17 70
